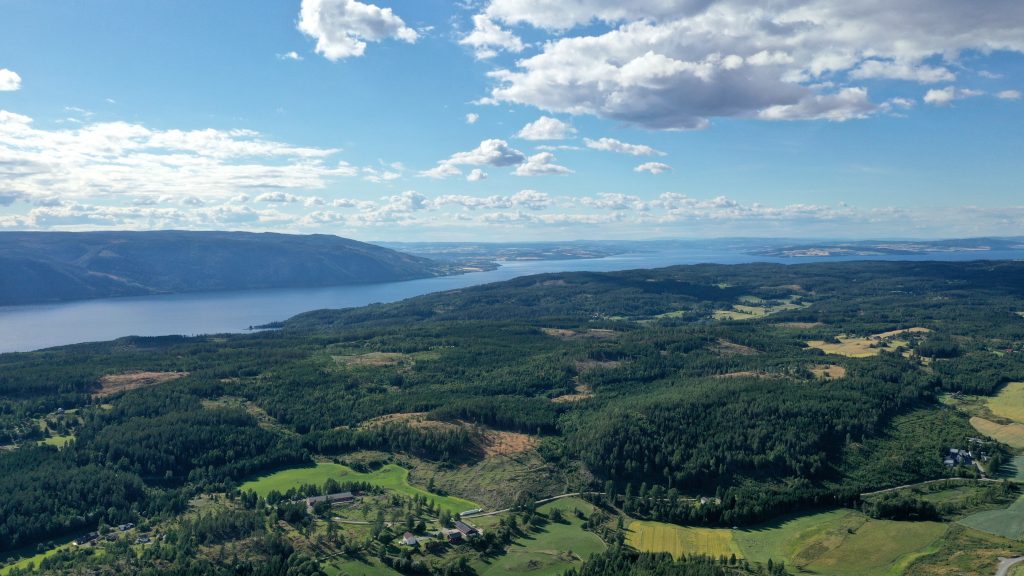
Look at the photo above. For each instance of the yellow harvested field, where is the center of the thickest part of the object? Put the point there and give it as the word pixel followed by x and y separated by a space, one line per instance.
pixel 114 383
pixel 1009 403
pixel 678 540
pixel 855 347
pixel 891 333
pixel 1010 434
pixel 829 371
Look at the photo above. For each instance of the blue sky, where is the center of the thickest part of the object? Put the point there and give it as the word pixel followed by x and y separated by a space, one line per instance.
pixel 514 119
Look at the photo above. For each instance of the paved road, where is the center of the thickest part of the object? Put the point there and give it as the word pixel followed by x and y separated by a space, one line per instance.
pixel 1006 563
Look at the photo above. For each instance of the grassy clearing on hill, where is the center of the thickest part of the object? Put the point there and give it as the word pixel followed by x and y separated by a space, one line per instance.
pixel 679 540
pixel 758 308
pixel 964 551
pixel 389 477
pixel 552 550
pixel 839 543
pixel 1007 522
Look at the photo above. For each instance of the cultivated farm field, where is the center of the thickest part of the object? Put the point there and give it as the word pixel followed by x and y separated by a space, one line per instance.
pixel 679 540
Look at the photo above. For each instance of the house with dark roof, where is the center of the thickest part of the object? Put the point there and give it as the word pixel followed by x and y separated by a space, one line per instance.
pixel 466 530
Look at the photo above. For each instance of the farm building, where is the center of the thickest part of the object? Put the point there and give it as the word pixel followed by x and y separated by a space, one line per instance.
pixel 958 457
pixel 340 497
pixel 466 530
pixel 453 536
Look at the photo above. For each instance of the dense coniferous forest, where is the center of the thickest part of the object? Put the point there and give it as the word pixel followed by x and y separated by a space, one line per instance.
pixel 658 384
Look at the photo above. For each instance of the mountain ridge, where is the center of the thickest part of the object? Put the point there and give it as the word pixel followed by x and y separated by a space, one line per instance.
pixel 44 267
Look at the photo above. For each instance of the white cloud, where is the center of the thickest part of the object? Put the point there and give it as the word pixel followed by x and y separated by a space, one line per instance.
pixel 528 199
pixel 675 64
pixel 476 175
pixel 487 38
pixel 847 104
pixel 492 152
pixel 343 27
pixel 293 56
pixel 278 198
pixel 613 145
pixel 111 159
pixel 653 167
pixel 547 128
pixel 9 80
pixel 1008 95
pixel 945 96
pixel 539 164
pixel 892 70
pixel 472 117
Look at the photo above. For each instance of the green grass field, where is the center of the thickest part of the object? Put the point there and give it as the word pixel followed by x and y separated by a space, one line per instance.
pixel 346 567
pixel 679 540
pixel 1008 522
pixel 840 543
pixel 1014 469
pixel 58 441
pixel 756 308
pixel 1009 403
pixel 389 477
pixel 551 551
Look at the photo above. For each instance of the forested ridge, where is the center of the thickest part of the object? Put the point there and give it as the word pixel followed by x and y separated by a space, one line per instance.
pixel 655 382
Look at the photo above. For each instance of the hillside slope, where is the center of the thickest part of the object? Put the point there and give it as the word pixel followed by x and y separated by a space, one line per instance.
pixel 57 266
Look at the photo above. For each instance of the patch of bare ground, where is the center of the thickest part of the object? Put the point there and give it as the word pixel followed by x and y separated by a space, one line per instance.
pixel 566 334
pixel 589 365
pixel 263 420
pixel 748 374
pixel 892 333
pixel 373 359
pixel 500 443
pixel 828 371
pixel 727 348
pixel 582 393
pixel 801 325
pixel 115 383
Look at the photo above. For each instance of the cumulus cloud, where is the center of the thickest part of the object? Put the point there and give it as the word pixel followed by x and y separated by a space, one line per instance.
pixel 293 56
pixel 472 117
pixel 528 199
pixel 487 38
pixel 476 175
pixel 9 80
pixel 847 104
pixel 1008 95
pixel 542 163
pixel 945 96
pixel 492 152
pixel 613 145
pixel 112 159
pixel 676 64
pixel 547 128
pixel 343 27
pixel 653 167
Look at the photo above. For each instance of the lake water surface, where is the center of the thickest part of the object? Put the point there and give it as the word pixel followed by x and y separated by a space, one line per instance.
pixel 24 328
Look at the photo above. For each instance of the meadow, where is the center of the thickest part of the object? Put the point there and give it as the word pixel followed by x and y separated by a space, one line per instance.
pixel 389 477
pixel 681 540
pixel 1007 522
pixel 1009 403
pixel 551 550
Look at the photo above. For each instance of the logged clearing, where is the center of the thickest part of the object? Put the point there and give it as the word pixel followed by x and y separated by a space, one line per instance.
pixel 115 383
pixel 582 393
pixel 583 366
pixel 1009 403
pixel 679 540
pixel 828 371
pixel 801 325
pixel 490 442
pixel 499 443
pixel 378 359
pixel 727 348
pixel 566 334
pixel 1010 434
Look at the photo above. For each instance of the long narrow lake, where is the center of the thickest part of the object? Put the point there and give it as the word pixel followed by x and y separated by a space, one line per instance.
pixel 25 328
